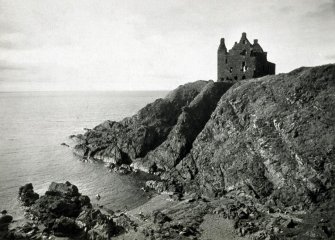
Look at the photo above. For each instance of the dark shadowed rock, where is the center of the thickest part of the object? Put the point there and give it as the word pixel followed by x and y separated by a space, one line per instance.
pixel 92 217
pixel 271 137
pixel 27 195
pixel 124 224
pixel 122 142
pixel 64 212
pixel 159 217
pixel 5 220
pixel 267 141
pixel 65 226
pixel 191 121
pixel 61 199
pixel 63 189
pixel 104 228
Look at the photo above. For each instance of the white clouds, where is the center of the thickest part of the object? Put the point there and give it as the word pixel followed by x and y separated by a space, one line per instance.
pixel 149 44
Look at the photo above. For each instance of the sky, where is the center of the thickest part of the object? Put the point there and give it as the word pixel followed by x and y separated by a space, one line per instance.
pixel 103 45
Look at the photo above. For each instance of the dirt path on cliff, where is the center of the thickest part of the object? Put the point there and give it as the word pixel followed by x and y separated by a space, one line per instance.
pixel 215 227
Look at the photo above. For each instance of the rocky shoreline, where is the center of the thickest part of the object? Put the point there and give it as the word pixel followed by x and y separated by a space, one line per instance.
pixel 269 140
pixel 64 213
pixel 258 154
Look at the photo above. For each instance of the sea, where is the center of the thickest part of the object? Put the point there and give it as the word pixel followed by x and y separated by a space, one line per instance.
pixel 34 124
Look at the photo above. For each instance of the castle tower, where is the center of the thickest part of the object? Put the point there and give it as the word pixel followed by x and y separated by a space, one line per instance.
pixel 243 61
pixel 222 58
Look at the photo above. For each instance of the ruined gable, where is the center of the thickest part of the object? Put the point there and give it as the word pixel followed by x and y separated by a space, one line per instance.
pixel 243 61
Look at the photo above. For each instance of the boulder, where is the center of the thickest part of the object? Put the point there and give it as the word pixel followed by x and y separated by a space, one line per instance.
pixel 5 220
pixel 91 217
pixel 159 217
pixel 104 229
pixel 62 201
pixel 29 227
pixel 123 169
pixel 124 223
pixel 65 226
pixel 27 195
pixel 63 189
pixel 64 212
pixel 156 185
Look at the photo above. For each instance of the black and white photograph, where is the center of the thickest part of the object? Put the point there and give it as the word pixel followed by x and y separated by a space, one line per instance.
pixel 167 119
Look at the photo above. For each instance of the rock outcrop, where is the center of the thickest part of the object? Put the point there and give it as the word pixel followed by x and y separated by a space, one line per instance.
pixel 190 122
pixel 269 140
pixel 62 212
pixel 61 200
pixel 5 221
pixel 121 142
pixel 27 195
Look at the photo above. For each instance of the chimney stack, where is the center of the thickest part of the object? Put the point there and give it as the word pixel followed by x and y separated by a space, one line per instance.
pixel 222 47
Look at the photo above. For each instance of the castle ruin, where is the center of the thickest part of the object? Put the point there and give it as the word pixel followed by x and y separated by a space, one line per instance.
pixel 243 61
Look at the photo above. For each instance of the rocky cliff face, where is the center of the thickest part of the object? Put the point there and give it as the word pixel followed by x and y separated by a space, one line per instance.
pixel 270 139
pixel 190 122
pixel 131 138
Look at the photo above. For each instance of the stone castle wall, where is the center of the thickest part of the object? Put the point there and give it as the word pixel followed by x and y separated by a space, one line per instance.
pixel 243 61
